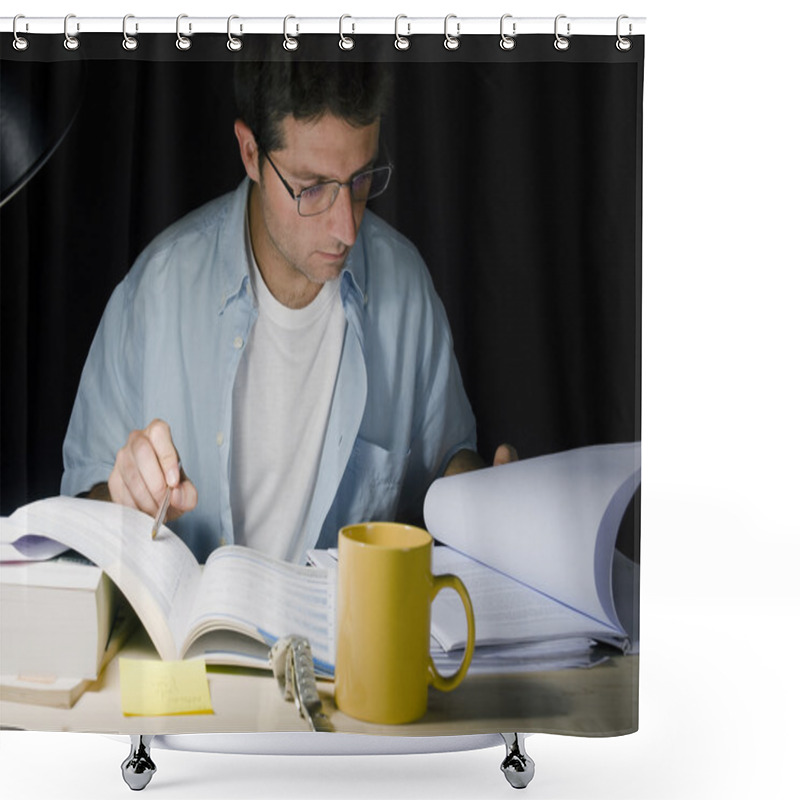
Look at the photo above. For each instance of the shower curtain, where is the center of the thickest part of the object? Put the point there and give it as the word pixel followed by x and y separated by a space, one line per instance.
pixel 516 174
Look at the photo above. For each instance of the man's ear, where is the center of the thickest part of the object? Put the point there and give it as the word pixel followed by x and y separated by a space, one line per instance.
pixel 248 150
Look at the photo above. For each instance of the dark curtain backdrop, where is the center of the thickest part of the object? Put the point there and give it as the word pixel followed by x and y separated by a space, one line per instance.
pixel 518 176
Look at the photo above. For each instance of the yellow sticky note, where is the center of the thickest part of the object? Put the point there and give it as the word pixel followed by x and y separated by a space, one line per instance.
pixel 159 688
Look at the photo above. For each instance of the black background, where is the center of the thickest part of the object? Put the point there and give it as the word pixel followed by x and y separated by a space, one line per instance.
pixel 517 175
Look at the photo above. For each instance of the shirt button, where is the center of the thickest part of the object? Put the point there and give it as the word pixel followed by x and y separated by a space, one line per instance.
pixel 220 439
pixel 238 342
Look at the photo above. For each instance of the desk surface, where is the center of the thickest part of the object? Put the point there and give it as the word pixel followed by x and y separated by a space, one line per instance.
pixel 601 700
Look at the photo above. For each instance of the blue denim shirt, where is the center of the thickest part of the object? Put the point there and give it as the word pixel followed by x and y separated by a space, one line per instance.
pixel 170 341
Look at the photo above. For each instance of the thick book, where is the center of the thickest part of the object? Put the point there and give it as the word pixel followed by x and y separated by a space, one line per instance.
pixel 534 543
pixel 61 691
pixel 55 617
pixel 61 621
pixel 229 610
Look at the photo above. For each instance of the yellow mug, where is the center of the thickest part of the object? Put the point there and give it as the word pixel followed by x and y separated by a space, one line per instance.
pixel 385 591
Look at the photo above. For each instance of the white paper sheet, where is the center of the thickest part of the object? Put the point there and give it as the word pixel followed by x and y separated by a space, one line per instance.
pixel 550 522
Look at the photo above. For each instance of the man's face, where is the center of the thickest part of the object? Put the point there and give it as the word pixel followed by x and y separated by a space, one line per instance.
pixel 295 251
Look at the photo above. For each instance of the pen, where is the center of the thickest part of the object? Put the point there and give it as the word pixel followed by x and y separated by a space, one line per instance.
pixel 162 512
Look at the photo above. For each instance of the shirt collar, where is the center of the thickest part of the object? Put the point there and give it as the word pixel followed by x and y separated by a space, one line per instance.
pixel 233 262
pixel 355 267
pixel 234 272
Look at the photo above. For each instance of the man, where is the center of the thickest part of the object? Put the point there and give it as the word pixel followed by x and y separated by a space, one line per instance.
pixel 278 357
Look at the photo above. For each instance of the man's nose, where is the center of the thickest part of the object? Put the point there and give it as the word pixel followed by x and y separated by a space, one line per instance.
pixel 342 217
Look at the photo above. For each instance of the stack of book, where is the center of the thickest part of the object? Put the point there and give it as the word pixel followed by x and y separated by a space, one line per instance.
pixel 61 620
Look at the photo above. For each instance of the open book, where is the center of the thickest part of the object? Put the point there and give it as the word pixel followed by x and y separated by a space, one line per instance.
pixel 534 543
pixel 230 610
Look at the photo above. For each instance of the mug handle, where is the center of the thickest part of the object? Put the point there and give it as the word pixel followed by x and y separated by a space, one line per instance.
pixel 439 681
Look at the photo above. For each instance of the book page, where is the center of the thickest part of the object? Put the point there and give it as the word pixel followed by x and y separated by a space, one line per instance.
pixel 16 544
pixel 158 576
pixel 549 522
pixel 250 592
pixel 626 597
pixel 506 610
pixel 516 627
pixel 523 657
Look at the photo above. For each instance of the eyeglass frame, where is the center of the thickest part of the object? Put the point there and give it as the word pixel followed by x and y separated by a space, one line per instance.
pixel 339 185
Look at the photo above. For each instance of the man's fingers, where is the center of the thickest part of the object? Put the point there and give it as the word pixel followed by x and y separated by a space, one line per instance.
pixel 148 466
pixel 505 454
pixel 145 467
pixel 127 484
pixel 118 491
pixel 183 499
pixel 160 436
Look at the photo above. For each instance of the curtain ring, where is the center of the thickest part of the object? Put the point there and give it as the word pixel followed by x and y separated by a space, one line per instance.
pixel 234 44
pixel 561 42
pixel 452 42
pixel 623 44
pixel 20 42
pixel 507 42
pixel 182 42
pixel 70 42
pixel 289 42
pixel 346 42
pixel 129 42
pixel 401 42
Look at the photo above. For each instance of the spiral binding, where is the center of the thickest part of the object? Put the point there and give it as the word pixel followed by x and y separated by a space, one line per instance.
pixel 452 27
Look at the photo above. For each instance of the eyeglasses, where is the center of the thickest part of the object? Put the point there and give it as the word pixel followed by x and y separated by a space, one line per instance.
pixel 319 198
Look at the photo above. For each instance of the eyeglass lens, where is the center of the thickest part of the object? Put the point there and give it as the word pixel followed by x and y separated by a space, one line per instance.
pixel 363 187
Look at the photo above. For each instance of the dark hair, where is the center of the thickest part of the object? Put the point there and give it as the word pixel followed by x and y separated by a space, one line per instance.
pixel 269 90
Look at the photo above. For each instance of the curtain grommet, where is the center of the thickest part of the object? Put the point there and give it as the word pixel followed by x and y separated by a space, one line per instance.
pixel 234 44
pixel 289 42
pixel 71 42
pixel 401 42
pixel 20 42
pixel 452 42
pixel 346 42
pixel 561 43
pixel 507 42
pixel 129 43
pixel 623 44
pixel 182 42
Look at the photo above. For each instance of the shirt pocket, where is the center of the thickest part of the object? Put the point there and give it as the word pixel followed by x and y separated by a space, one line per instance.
pixel 376 476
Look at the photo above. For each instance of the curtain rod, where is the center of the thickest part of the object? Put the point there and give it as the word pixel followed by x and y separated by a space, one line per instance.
pixel 453 25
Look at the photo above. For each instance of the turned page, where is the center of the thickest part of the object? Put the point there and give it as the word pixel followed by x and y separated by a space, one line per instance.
pixel 159 577
pixel 550 522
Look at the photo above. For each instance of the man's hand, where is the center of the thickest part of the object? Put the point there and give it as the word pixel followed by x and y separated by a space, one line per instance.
pixel 143 469
pixel 467 460
pixel 505 454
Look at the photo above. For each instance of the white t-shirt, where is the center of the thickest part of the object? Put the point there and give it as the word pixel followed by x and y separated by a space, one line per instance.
pixel 281 403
